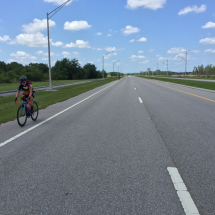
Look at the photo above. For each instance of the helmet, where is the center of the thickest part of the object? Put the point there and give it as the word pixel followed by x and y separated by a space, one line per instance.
pixel 23 78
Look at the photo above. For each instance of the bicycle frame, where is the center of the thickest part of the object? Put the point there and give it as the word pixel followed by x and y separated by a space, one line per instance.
pixel 25 106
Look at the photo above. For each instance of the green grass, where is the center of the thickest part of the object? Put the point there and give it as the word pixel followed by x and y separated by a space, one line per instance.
pixel 199 84
pixel 8 108
pixel 193 77
pixel 14 86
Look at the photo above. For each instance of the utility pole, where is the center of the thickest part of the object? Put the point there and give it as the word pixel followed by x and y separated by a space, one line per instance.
pixel 157 68
pixel 113 66
pixel 167 65
pixel 103 61
pixel 48 18
pixel 185 59
pixel 186 64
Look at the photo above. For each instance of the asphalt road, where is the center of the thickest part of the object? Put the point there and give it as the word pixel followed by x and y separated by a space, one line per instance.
pixel 108 153
pixel 13 92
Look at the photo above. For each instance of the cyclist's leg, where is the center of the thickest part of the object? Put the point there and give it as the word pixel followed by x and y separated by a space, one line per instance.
pixel 31 99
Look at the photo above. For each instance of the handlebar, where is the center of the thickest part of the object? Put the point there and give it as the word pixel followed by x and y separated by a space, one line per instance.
pixel 24 99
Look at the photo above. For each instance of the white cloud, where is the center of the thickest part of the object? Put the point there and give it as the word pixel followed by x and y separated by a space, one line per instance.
pixel 76 25
pixel 157 55
pixel 58 43
pixel 176 50
pixel 44 59
pixel 129 30
pixel 143 39
pixel 45 54
pixel 151 50
pixel 151 4
pixel 162 58
pixel 139 52
pixel 66 54
pixel 109 49
pixel 76 54
pixel 109 35
pixel 146 61
pixel 195 51
pixel 31 40
pixel 4 38
pixel 57 2
pixel 131 41
pixel 37 26
pixel 23 56
pixel 135 57
pixel 209 25
pixel 79 44
pixel 210 51
pixel 210 40
pixel 40 53
pixel 99 49
pixel 193 8
pixel 99 33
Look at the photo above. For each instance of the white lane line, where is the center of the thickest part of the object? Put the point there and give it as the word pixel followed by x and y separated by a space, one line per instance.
pixel 184 196
pixel 135 88
pixel 140 100
pixel 26 131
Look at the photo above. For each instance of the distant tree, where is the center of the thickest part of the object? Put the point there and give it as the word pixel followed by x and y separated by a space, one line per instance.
pixel 3 66
pixel 13 65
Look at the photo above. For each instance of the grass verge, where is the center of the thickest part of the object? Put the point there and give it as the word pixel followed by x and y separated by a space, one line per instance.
pixel 8 108
pixel 199 84
pixel 14 86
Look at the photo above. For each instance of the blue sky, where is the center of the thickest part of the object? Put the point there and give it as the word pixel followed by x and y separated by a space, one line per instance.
pixel 141 33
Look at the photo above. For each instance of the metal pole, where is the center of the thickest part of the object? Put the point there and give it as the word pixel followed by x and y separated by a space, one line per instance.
pixel 186 64
pixel 50 78
pixel 157 68
pixel 167 67
pixel 103 64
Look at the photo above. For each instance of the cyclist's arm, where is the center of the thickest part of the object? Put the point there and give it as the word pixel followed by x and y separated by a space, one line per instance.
pixel 30 91
pixel 17 93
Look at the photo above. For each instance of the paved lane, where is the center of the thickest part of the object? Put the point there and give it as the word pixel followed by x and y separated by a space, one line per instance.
pixel 186 125
pixel 101 157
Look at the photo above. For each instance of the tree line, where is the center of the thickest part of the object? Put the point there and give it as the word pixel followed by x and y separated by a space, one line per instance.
pixel 64 69
pixel 208 71
pixel 199 71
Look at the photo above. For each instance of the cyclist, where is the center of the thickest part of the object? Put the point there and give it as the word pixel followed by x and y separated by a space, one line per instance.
pixel 28 92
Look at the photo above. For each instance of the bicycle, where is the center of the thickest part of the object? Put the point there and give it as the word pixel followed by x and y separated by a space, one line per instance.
pixel 24 112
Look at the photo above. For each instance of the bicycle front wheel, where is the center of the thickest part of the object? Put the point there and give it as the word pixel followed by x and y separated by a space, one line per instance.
pixel 35 112
pixel 21 116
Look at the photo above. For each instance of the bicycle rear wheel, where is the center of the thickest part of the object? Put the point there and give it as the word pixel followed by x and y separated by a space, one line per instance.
pixel 35 112
pixel 21 116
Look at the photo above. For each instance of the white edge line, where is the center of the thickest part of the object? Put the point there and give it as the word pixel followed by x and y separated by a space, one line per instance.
pixel 24 132
pixel 140 100
pixel 184 196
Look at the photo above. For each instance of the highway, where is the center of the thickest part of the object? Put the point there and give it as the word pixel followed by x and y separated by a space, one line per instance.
pixel 109 150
